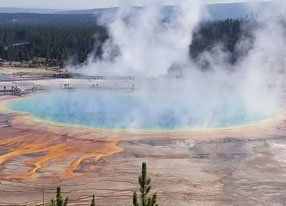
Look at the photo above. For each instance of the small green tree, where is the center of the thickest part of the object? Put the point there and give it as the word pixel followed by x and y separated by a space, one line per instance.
pixel 53 202
pixel 92 201
pixel 152 201
pixel 135 199
pixel 145 187
pixel 58 201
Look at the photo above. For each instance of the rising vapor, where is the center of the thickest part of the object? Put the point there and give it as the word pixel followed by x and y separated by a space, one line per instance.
pixel 148 43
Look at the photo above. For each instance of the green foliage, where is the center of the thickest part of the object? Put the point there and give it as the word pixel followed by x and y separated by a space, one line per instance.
pixel 225 33
pixel 145 187
pixel 53 202
pixel 61 38
pixel 56 43
pixel 92 201
pixel 135 199
pixel 46 19
pixel 59 200
pixel 152 201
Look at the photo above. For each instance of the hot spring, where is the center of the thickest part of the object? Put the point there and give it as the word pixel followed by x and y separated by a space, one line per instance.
pixel 139 110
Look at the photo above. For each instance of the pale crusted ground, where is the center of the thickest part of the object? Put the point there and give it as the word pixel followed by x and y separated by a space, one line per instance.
pixel 24 71
pixel 184 172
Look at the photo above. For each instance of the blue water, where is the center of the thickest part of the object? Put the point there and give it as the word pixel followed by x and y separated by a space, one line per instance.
pixel 154 110
pixel 4 76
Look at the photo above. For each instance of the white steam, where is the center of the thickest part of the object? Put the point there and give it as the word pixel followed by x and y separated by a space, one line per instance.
pixel 146 44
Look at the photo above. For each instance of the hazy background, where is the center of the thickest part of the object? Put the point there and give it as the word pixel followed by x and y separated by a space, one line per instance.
pixel 88 4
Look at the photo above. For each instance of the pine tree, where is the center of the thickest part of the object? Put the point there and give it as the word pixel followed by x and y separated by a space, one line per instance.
pixel 92 201
pixel 135 199
pixel 152 201
pixel 58 201
pixel 53 202
pixel 145 187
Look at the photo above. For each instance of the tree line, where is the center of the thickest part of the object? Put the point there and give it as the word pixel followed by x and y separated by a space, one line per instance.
pixel 143 199
pixel 58 43
pixel 20 19
pixel 73 42
pixel 226 33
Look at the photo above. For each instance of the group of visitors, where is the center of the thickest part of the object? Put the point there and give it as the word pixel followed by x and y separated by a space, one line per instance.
pixel 15 90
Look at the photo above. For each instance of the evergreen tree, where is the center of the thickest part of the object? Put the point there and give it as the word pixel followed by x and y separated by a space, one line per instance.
pixel 152 201
pixel 58 201
pixel 56 43
pixel 53 202
pixel 135 199
pixel 92 201
pixel 145 187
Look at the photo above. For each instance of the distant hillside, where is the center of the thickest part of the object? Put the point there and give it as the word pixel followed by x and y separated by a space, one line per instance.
pixel 89 11
pixel 239 10
pixel 23 10
pixel 213 11
pixel 224 11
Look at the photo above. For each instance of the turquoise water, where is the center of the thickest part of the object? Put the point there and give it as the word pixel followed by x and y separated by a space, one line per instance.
pixel 4 76
pixel 154 110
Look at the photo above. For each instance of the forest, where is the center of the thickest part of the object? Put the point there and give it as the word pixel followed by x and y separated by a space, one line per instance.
pixel 46 19
pixel 71 38
pixel 227 33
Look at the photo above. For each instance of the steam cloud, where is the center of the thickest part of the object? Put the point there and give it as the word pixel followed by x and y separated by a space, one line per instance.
pixel 146 44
